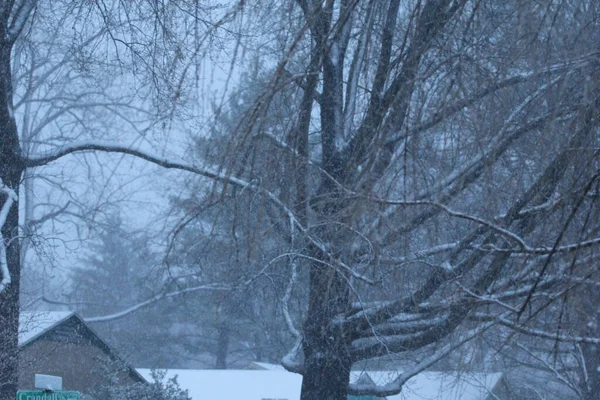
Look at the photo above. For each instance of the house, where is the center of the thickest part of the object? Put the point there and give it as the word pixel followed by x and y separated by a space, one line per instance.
pixel 272 383
pixel 62 344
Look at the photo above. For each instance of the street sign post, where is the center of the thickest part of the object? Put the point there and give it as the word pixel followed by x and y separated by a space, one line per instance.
pixel 40 395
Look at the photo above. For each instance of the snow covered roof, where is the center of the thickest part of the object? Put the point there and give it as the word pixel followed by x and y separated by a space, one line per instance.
pixel 235 384
pixel 34 324
pixel 275 384
pixel 265 366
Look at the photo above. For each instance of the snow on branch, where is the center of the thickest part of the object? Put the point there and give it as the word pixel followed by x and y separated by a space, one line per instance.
pixel 512 80
pixel 11 197
pixel 523 246
pixel 392 342
pixel 152 300
pixel 544 250
pixel 286 299
pixel 207 172
pixel 500 297
pixel 419 254
pixel 457 181
pixel 107 147
pixel 292 360
pixel 525 330
pixel 555 336
pixel 397 326
pixel 292 282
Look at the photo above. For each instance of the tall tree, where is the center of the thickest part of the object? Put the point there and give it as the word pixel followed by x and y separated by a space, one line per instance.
pixel 120 270
pixel 421 202
pixel 12 22
pixel 117 253
pixel 84 73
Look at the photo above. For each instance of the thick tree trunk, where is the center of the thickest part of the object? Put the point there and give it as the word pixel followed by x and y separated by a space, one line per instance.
pixel 326 377
pixel 9 325
pixel 326 362
pixel 11 170
pixel 9 297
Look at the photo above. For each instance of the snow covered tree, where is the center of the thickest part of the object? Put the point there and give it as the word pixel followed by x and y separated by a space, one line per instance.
pixel 117 254
pixel 435 192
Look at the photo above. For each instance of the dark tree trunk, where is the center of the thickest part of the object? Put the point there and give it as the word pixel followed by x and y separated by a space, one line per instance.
pixel 326 362
pixel 326 377
pixel 222 346
pixel 11 170
pixel 9 319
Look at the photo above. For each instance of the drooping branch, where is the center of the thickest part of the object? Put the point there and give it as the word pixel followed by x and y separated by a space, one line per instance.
pixel 207 172
pixel 544 250
pixel 549 367
pixel 146 303
pixel 510 81
pixel 395 386
pixel 522 245
pixel 461 179
pixel 520 328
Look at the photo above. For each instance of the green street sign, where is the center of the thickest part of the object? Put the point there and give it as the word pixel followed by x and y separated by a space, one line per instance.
pixel 39 395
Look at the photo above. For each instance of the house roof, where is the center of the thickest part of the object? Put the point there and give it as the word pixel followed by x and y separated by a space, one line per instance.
pixel 235 384
pixel 275 384
pixel 265 366
pixel 35 325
